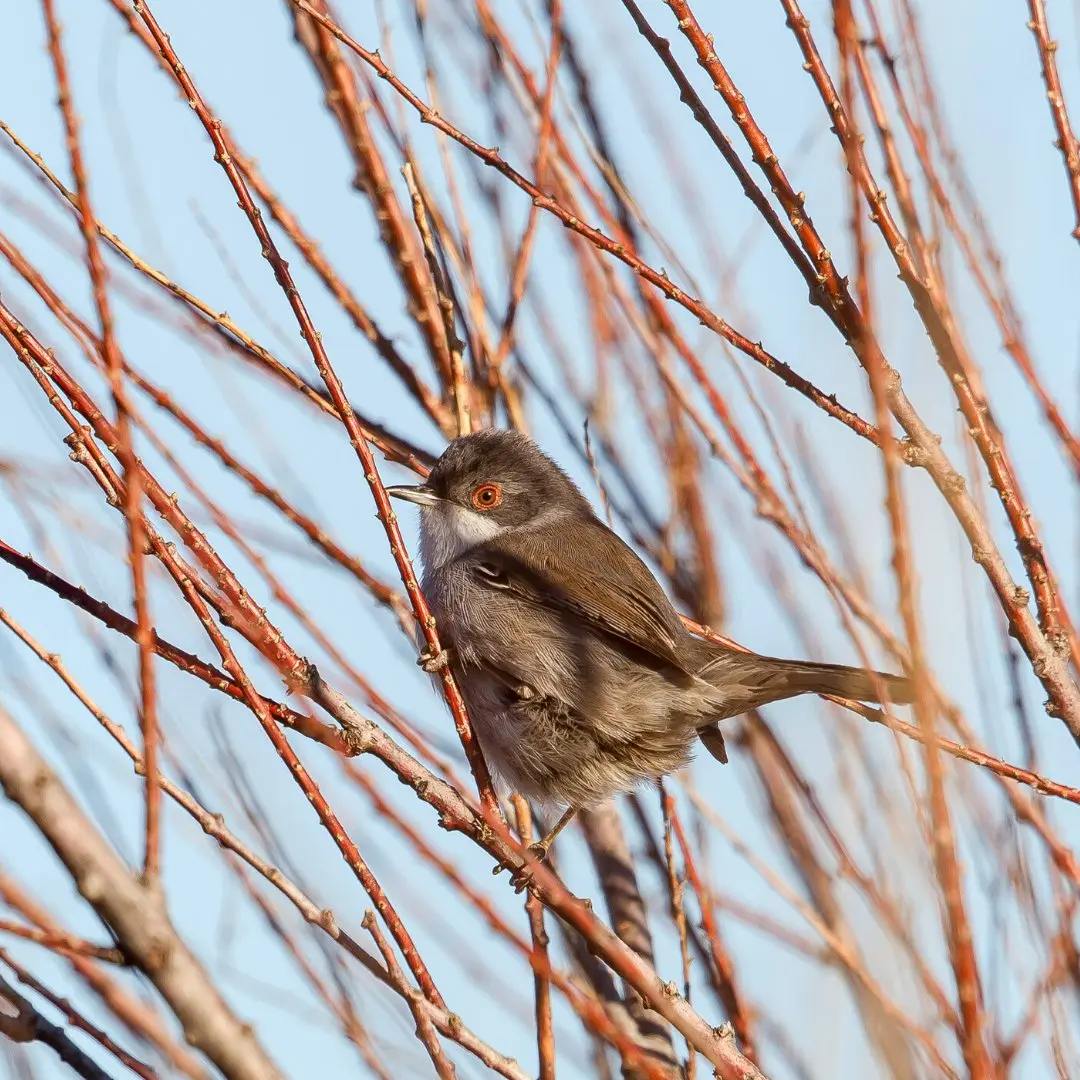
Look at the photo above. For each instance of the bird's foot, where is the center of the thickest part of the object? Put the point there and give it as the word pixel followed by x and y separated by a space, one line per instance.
pixel 431 662
pixel 522 875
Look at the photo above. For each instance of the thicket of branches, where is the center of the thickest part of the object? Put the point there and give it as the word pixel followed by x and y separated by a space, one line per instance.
pixel 818 414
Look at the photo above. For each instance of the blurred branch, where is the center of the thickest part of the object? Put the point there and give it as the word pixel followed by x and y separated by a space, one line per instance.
pixel 134 912
pixel 22 1023
pixel 604 834
pixel 77 1020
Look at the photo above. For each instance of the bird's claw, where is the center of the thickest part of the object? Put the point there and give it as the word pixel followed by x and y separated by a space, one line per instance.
pixel 522 875
pixel 431 662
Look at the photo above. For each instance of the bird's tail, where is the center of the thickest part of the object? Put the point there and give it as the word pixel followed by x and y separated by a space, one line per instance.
pixel 748 681
pixel 745 681
pixel 859 684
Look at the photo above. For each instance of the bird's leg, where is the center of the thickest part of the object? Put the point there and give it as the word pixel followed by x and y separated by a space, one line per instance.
pixel 431 662
pixel 538 851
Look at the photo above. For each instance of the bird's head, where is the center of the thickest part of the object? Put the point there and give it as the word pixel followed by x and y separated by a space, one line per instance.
pixel 485 484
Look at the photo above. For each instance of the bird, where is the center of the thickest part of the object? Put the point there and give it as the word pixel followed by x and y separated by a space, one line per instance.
pixel 579 677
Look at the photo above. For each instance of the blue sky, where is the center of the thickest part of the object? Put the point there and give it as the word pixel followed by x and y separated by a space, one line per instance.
pixel 154 183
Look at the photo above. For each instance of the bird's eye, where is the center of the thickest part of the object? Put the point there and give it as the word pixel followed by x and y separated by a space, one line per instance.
pixel 487 496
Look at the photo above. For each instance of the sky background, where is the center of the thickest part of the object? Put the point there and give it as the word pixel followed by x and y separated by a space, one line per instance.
pixel 155 184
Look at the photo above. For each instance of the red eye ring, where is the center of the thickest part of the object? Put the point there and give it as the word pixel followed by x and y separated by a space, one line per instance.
pixel 487 496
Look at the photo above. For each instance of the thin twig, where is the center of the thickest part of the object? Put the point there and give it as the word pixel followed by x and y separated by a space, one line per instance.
pixel 125 451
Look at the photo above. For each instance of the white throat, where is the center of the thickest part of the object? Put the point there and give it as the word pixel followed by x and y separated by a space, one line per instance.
pixel 448 530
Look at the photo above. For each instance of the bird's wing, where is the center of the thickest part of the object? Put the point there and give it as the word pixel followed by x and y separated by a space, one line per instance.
pixel 579 567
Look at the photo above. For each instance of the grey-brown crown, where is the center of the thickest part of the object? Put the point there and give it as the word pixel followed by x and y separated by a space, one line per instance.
pixel 530 483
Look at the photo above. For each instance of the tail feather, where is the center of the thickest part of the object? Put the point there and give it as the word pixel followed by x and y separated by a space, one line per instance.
pixel 747 681
pixel 850 682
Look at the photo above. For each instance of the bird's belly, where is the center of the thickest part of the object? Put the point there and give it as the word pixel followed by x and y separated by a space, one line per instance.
pixel 554 754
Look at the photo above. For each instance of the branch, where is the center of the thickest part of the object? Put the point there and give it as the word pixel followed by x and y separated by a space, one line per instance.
pixel 1066 140
pixel 28 1025
pixel 135 913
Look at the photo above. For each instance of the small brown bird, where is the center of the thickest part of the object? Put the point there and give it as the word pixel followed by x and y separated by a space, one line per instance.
pixel 579 677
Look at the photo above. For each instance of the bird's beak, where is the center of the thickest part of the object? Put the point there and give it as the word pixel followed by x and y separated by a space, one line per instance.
pixel 418 494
